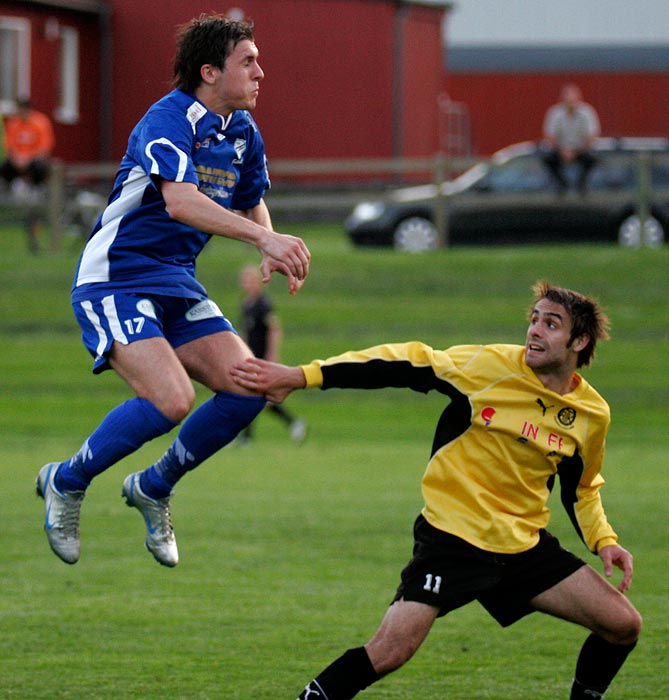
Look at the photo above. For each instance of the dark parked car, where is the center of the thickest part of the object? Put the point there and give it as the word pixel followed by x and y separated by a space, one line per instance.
pixel 512 199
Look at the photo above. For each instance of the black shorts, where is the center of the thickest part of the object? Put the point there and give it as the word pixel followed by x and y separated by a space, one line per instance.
pixel 447 573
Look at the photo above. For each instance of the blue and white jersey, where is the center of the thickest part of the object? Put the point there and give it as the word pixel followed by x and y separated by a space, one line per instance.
pixel 135 244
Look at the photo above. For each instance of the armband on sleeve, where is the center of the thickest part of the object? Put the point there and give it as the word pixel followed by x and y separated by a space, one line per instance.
pixel 313 375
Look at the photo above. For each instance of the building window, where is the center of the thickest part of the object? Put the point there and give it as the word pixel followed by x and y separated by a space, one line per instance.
pixel 14 61
pixel 67 111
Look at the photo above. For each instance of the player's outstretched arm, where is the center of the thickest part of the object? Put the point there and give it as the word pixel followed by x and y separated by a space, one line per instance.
pixel 615 555
pixel 274 381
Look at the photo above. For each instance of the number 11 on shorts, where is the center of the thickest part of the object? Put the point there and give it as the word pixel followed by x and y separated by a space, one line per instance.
pixel 432 583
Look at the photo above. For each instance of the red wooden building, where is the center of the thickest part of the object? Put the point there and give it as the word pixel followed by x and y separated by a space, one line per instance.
pixel 344 78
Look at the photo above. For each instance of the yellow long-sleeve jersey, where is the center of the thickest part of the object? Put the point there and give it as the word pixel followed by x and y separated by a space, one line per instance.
pixel 498 444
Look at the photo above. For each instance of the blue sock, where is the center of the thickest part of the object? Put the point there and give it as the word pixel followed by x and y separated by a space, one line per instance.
pixel 209 428
pixel 122 431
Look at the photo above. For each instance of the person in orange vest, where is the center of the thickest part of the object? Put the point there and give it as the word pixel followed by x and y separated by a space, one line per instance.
pixel 2 140
pixel 29 141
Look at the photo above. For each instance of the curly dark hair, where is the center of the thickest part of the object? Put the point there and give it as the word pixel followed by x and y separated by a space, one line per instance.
pixel 587 318
pixel 209 38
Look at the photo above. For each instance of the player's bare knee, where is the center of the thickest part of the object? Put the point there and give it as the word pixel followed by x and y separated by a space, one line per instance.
pixel 632 629
pixel 177 406
pixel 389 657
pixel 627 628
pixel 183 406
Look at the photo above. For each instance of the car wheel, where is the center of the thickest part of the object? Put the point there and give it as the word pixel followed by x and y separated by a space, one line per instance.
pixel 415 235
pixel 631 236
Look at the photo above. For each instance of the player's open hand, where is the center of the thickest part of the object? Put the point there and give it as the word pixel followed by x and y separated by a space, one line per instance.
pixel 615 555
pixel 274 381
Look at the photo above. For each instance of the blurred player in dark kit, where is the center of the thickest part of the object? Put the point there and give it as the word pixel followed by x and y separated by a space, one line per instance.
pixel 262 331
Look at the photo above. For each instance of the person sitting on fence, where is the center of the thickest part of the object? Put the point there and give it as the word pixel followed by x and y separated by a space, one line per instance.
pixel 570 129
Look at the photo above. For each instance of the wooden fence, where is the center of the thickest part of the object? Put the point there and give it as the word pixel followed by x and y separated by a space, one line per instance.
pixel 307 186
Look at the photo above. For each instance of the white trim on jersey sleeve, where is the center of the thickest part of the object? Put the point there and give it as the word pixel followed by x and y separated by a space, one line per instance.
pixel 183 158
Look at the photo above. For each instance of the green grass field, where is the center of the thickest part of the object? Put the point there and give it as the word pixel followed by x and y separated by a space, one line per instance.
pixel 289 555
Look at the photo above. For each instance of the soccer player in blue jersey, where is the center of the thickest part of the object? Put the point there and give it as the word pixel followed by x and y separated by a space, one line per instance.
pixel 195 167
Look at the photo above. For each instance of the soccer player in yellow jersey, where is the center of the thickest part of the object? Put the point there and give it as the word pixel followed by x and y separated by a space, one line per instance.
pixel 517 417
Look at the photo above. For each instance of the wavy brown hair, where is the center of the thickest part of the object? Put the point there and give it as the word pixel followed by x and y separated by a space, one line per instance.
pixel 587 317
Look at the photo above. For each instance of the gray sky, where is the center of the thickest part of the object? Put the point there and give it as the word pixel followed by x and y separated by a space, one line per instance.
pixel 545 22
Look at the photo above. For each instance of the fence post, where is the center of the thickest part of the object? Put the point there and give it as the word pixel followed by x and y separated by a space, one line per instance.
pixel 643 193
pixel 440 204
pixel 55 202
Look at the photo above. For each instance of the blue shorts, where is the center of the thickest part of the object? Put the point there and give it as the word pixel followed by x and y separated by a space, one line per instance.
pixel 126 317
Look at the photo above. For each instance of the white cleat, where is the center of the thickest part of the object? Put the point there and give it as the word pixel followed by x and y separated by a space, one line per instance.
pixel 62 515
pixel 160 540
